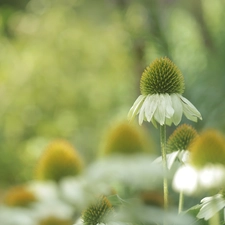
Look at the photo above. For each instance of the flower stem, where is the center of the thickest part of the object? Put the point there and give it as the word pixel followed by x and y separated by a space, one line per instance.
pixel 215 220
pixel 164 161
pixel 181 202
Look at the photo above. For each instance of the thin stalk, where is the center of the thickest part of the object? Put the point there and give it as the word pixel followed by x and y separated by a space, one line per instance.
pixel 215 220
pixel 181 202
pixel 164 161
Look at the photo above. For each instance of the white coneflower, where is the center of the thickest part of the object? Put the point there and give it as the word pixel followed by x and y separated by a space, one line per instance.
pixel 161 100
pixel 178 144
pixel 206 168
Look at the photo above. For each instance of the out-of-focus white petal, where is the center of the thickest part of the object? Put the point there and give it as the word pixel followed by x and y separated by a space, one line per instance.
pixel 79 222
pixel 210 206
pixel 134 110
pixel 171 157
pixel 178 108
pixel 212 176
pixel 186 180
pixel 189 108
pixel 184 156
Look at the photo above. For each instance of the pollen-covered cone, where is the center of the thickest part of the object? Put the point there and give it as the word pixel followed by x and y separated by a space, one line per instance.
pixel 19 196
pixel 59 160
pixel 96 212
pixel 126 138
pixel 208 148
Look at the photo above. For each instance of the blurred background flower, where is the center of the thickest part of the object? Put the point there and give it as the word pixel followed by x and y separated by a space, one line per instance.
pixel 67 68
pixel 59 160
pixel 126 138
pixel 205 171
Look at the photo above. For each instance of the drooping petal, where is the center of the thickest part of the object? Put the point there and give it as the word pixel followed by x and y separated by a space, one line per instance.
pixel 171 157
pixel 160 112
pixel 189 109
pixel 178 108
pixel 151 107
pixel 189 116
pixel 210 206
pixel 142 111
pixel 134 110
pixel 169 121
pixel 169 108
pixel 184 156
pixel 154 122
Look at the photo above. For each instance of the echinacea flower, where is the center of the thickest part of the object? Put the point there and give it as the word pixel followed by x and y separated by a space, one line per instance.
pixel 178 145
pixel 96 213
pixel 161 100
pixel 206 168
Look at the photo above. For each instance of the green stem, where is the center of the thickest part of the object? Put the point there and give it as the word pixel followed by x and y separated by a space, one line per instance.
pixel 181 202
pixel 215 220
pixel 164 161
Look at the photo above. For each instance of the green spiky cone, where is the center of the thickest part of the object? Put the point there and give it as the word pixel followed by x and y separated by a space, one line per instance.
pixel 181 138
pixel 59 160
pixel 162 76
pixel 208 148
pixel 126 138
pixel 19 196
pixel 96 213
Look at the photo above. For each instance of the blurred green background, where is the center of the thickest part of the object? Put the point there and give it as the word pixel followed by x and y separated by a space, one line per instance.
pixel 71 68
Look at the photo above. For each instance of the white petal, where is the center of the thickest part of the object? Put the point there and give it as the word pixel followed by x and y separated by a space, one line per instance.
pixel 158 160
pixel 178 108
pixel 171 157
pixel 142 111
pixel 210 206
pixel 151 106
pixel 189 109
pixel 154 122
pixel 169 121
pixel 186 180
pixel 184 156
pixel 134 110
pixel 160 113
pixel 169 108
pixel 212 176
